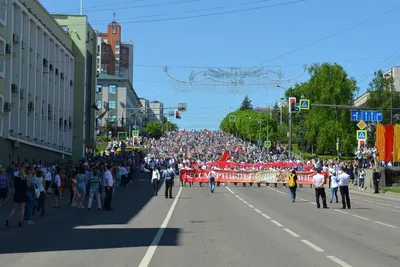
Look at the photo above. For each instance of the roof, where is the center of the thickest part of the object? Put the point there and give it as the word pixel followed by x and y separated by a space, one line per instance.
pixel 105 76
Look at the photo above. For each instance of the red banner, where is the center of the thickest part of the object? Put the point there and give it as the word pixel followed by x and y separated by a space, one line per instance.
pixel 238 176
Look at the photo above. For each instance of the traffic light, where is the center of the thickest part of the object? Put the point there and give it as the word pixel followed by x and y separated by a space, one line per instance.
pixel 177 114
pixel 293 105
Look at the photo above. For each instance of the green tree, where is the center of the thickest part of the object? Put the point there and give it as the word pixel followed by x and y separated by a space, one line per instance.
pixel 246 104
pixel 170 127
pixel 154 129
pixel 319 127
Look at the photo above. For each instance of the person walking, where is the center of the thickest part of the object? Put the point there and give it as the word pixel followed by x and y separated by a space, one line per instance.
pixel 20 186
pixel 94 190
pixel 155 179
pixel 168 176
pixel 211 183
pixel 343 182
pixel 333 186
pixel 108 189
pixel 293 185
pixel 318 182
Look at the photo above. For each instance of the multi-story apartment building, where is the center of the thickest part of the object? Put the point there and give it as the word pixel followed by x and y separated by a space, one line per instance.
pixel 38 77
pixel 84 48
pixel 156 111
pixel 115 57
pixel 117 95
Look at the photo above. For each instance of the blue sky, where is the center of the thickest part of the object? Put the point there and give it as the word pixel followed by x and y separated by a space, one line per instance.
pixel 283 35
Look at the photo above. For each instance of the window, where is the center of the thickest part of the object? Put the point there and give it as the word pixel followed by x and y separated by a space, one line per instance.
pixel 99 122
pixel 112 89
pixel 99 87
pixel 114 30
pixel 66 29
pixel 111 104
pixel 112 118
pixel 3 16
pixel 2 61
pixel 124 51
pixel 98 104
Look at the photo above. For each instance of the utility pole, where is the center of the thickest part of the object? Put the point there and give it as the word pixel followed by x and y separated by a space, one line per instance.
pixel 290 133
pixel 81 9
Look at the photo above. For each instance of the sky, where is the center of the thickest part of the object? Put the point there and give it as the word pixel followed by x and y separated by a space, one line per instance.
pixel 276 37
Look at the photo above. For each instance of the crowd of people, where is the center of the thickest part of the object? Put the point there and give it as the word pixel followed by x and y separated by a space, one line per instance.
pixel 99 177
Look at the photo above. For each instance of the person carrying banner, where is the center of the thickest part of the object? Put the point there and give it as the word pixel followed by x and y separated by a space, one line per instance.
pixel 211 183
pixel 293 184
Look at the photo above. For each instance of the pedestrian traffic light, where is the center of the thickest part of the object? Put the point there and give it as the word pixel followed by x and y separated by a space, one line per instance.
pixel 177 114
pixel 293 105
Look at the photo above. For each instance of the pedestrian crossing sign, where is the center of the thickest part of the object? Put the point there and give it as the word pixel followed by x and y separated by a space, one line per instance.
pixel 267 144
pixel 122 136
pixel 135 133
pixel 304 104
pixel 232 118
pixel 361 135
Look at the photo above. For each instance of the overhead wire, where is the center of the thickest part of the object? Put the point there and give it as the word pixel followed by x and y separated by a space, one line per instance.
pixel 332 35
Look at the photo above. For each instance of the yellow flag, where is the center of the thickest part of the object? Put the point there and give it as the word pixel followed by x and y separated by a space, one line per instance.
pixel 396 144
pixel 380 141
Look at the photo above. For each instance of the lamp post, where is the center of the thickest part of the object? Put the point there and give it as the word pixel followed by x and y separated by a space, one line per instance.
pixel 290 128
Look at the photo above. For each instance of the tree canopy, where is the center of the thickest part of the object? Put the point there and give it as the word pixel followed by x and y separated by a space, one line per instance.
pixel 246 104
pixel 156 129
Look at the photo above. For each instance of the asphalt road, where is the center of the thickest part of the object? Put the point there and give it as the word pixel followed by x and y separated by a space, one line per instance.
pixel 235 226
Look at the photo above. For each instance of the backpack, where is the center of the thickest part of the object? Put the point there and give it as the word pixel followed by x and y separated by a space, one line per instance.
pixel 292 182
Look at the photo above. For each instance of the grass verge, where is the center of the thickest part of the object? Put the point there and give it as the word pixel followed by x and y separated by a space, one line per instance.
pixel 391 189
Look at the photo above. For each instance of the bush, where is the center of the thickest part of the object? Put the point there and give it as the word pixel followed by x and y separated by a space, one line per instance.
pixel 104 139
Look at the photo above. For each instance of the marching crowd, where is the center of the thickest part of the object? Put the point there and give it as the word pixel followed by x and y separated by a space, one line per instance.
pixel 99 177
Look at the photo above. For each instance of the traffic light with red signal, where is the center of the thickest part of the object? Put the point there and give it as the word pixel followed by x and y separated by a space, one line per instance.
pixel 177 114
pixel 293 105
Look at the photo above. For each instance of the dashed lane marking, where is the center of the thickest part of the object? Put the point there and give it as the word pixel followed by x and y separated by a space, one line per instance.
pixel 245 202
pixel 283 193
pixel 369 201
pixel 341 211
pixel 277 223
pixel 291 232
pixel 257 210
pixel 383 204
pixel 315 247
pixel 266 216
pixel 251 206
pixel 338 261
pixel 360 217
pixel 385 224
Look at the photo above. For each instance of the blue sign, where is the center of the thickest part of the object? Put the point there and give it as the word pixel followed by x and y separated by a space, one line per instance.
pixel 267 144
pixel 361 135
pixel 366 115
pixel 260 142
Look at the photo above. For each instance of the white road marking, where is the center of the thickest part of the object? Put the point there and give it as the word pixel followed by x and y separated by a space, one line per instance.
pixel 369 201
pixel 397 207
pixel 245 202
pixel 383 204
pixel 291 232
pixel 251 206
pixel 302 199
pixel 153 246
pixel 385 224
pixel 241 198
pixel 341 211
pixel 360 217
pixel 338 261
pixel 266 216
pixel 237 196
pixel 311 202
pixel 278 191
pixel 277 223
pixel 257 210
pixel 229 190
pixel 315 247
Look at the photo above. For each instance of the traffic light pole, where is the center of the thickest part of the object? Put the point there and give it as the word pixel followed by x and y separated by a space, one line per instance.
pixel 290 134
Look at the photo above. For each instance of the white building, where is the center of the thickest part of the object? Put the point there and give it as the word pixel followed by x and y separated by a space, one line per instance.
pixel 395 73
pixel 36 81
pixel 155 112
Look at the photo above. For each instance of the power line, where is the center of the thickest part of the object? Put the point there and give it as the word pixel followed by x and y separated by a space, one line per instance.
pixel 206 15
pixel 332 35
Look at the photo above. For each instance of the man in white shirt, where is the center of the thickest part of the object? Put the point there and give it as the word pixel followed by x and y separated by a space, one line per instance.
pixel 213 176
pixel 318 182
pixel 343 182
pixel 108 189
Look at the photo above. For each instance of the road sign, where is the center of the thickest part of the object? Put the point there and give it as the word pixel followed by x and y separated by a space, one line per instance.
pixel 267 144
pixel 366 115
pixel 361 125
pixel 135 133
pixel 361 135
pixel 304 104
pixel 232 118
pixel 122 136
pixel 259 142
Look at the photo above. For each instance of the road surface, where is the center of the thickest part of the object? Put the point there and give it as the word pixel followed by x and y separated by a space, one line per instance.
pixel 235 226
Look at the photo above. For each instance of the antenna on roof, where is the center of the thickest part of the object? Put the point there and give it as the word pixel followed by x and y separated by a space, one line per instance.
pixel 114 16
pixel 81 8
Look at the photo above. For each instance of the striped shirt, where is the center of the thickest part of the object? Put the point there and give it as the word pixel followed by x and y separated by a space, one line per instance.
pixel 94 183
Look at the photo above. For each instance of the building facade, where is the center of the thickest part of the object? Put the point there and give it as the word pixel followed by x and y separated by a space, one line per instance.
pixel 37 81
pixel 155 112
pixel 84 49
pixel 117 95
pixel 115 57
pixel 394 72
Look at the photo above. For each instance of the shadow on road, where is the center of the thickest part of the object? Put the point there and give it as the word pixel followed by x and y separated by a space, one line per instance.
pixel 56 232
